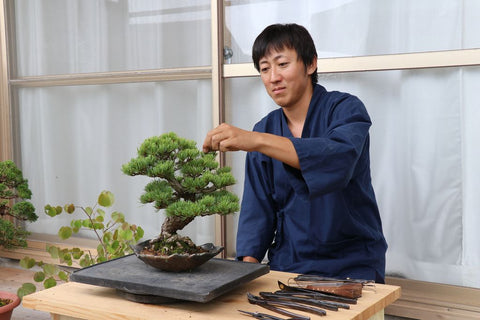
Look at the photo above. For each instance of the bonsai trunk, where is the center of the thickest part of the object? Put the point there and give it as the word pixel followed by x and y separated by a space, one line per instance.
pixel 172 224
pixel 169 242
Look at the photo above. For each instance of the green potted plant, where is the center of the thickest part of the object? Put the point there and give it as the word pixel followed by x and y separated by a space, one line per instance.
pixel 13 192
pixel 187 183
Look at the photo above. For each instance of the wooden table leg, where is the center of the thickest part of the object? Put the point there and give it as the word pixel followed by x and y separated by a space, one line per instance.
pixel 380 315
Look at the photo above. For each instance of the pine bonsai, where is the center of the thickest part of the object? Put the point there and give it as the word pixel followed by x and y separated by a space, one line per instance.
pixel 14 187
pixel 187 183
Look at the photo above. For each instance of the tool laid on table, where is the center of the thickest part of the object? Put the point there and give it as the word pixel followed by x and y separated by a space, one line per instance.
pixel 329 305
pixel 264 316
pixel 311 294
pixel 349 288
pixel 277 307
pixel 293 290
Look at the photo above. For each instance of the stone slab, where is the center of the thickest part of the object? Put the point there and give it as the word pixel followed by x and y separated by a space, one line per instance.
pixel 134 278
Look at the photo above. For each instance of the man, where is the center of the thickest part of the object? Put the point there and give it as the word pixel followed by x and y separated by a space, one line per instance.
pixel 308 198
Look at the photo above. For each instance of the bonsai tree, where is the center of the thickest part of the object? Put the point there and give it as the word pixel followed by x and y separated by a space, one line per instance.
pixel 187 183
pixel 14 187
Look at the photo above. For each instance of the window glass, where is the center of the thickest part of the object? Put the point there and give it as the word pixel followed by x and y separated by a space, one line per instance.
pixel 358 27
pixel 75 139
pixel 60 37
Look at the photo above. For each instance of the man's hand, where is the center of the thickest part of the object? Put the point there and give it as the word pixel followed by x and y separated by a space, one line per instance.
pixel 226 137
pixel 250 259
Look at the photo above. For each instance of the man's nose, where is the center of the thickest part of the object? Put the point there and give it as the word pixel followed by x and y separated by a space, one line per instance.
pixel 274 75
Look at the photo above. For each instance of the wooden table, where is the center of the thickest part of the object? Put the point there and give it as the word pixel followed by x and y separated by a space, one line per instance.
pixel 82 301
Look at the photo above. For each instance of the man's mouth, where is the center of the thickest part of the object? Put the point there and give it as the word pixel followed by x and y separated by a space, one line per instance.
pixel 278 90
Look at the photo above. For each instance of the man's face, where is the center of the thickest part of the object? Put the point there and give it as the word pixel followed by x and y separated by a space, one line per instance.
pixel 285 77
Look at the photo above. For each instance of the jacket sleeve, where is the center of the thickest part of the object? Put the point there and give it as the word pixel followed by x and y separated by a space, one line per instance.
pixel 329 161
pixel 257 220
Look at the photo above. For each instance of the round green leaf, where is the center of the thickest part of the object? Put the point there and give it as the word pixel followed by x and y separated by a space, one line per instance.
pixel 106 199
pixel 69 208
pixel 25 289
pixel 139 234
pixel 49 283
pixel 63 276
pixel 49 269
pixel 101 213
pixel 27 263
pixel 49 210
pixel 118 217
pixel 77 255
pixel 126 234
pixel 53 251
pixel 87 223
pixel 98 226
pixel 39 276
pixel 65 232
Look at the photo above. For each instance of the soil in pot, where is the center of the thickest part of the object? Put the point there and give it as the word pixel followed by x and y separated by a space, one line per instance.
pixel 175 244
pixel 175 254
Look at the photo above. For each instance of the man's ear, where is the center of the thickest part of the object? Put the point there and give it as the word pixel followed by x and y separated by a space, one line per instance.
pixel 312 67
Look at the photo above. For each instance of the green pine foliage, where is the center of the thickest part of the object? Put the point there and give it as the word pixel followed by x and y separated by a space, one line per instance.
pixel 186 182
pixel 14 192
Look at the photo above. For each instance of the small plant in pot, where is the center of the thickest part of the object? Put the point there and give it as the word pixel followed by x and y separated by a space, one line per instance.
pixel 8 302
pixel 187 183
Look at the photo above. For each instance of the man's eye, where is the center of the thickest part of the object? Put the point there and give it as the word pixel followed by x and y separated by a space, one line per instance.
pixel 283 64
pixel 263 70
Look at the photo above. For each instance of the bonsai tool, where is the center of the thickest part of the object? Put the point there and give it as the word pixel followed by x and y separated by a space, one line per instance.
pixel 277 306
pixel 291 290
pixel 263 316
pixel 329 305
pixel 350 288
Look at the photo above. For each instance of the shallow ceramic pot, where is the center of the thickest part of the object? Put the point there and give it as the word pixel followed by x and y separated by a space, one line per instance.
pixel 6 311
pixel 177 262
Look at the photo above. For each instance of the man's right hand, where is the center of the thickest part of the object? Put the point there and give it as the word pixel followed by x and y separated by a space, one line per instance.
pixel 226 137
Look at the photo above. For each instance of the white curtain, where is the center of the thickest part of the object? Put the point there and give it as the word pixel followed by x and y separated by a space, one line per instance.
pixel 74 139
pixel 424 141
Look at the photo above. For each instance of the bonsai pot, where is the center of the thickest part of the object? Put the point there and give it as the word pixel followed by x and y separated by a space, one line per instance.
pixel 6 311
pixel 177 262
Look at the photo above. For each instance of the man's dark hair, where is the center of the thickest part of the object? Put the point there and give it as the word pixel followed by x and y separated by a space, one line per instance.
pixel 280 36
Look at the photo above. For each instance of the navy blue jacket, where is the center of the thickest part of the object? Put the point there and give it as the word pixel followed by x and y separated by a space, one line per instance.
pixel 322 219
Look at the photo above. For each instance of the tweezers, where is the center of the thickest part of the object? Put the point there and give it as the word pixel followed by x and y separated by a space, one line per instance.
pixel 263 316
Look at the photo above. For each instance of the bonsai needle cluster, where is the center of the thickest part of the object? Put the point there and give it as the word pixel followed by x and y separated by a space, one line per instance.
pixel 14 187
pixel 187 183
